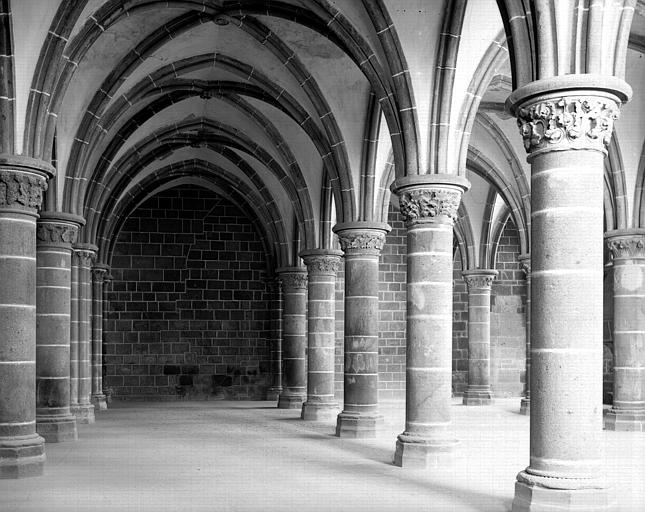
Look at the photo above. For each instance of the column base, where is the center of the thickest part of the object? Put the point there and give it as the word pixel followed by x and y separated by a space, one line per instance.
pixel 416 452
pixel 84 413
pixel 57 429
pixel 99 402
pixel 478 397
pixel 525 406
pixel 22 457
pixel 533 498
pixel 358 426
pixel 273 393
pixel 625 421
pixel 290 401
pixel 317 411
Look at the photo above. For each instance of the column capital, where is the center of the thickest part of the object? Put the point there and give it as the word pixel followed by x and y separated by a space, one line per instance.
pixel 568 112
pixel 293 278
pixel 479 278
pixel 626 243
pixel 86 253
pixel 362 237
pixel 100 272
pixel 57 228
pixel 23 180
pixel 430 197
pixel 525 264
pixel 322 261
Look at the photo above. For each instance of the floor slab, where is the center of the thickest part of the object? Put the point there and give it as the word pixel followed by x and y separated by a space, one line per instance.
pixel 245 456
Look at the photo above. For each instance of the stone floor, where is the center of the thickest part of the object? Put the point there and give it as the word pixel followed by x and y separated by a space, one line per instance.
pixel 239 456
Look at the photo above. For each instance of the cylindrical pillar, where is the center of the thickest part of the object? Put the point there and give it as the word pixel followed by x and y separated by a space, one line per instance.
pixel 479 283
pixel 22 183
pixel 362 243
pixel 294 335
pixel 565 129
pixel 322 265
pixel 99 273
pixel 83 259
pixel 275 303
pixel 627 248
pixel 56 232
pixel 429 206
pixel 525 402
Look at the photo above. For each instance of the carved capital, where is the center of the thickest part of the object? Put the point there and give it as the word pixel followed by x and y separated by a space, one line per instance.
pixel 21 190
pixel 85 254
pixel 479 279
pixel 293 280
pixel 361 240
pixel 567 122
pixel 51 232
pixel 525 264
pixel 99 274
pixel 322 261
pixel 627 247
pixel 429 204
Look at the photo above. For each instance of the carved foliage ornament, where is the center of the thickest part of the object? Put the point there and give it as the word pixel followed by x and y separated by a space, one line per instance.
pixel 294 281
pixel 99 274
pixel 361 240
pixel 56 233
pixel 428 204
pixel 322 264
pixel 575 121
pixel 627 248
pixel 85 257
pixel 479 281
pixel 21 190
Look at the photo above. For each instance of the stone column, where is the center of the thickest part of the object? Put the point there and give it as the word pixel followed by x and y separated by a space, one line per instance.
pixel 84 255
pixel 525 403
pixel 22 183
pixel 479 283
pixel 429 207
pixel 362 243
pixel 627 248
pixel 294 335
pixel 566 122
pixel 275 301
pixel 322 265
pixel 56 232
pixel 99 274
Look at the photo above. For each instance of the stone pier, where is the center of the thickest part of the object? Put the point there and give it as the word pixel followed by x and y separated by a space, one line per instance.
pixel 99 274
pixel 479 283
pixel 627 248
pixel 275 297
pixel 429 206
pixel 84 255
pixel 525 402
pixel 56 232
pixel 362 243
pixel 566 122
pixel 294 335
pixel 22 183
pixel 322 266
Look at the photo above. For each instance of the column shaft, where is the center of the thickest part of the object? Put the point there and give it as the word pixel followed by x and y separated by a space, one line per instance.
pixel 56 233
pixel 22 183
pixel 566 451
pixel 99 272
pixel 322 266
pixel 294 287
pixel 275 299
pixel 362 243
pixel 84 255
pixel 525 403
pixel 429 206
pixel 479 287
pixel 628 410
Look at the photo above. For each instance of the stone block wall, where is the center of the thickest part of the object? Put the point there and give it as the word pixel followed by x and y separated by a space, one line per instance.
pixel 508 313
pixel 459 327
pixel 608 336
pixel 188 310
